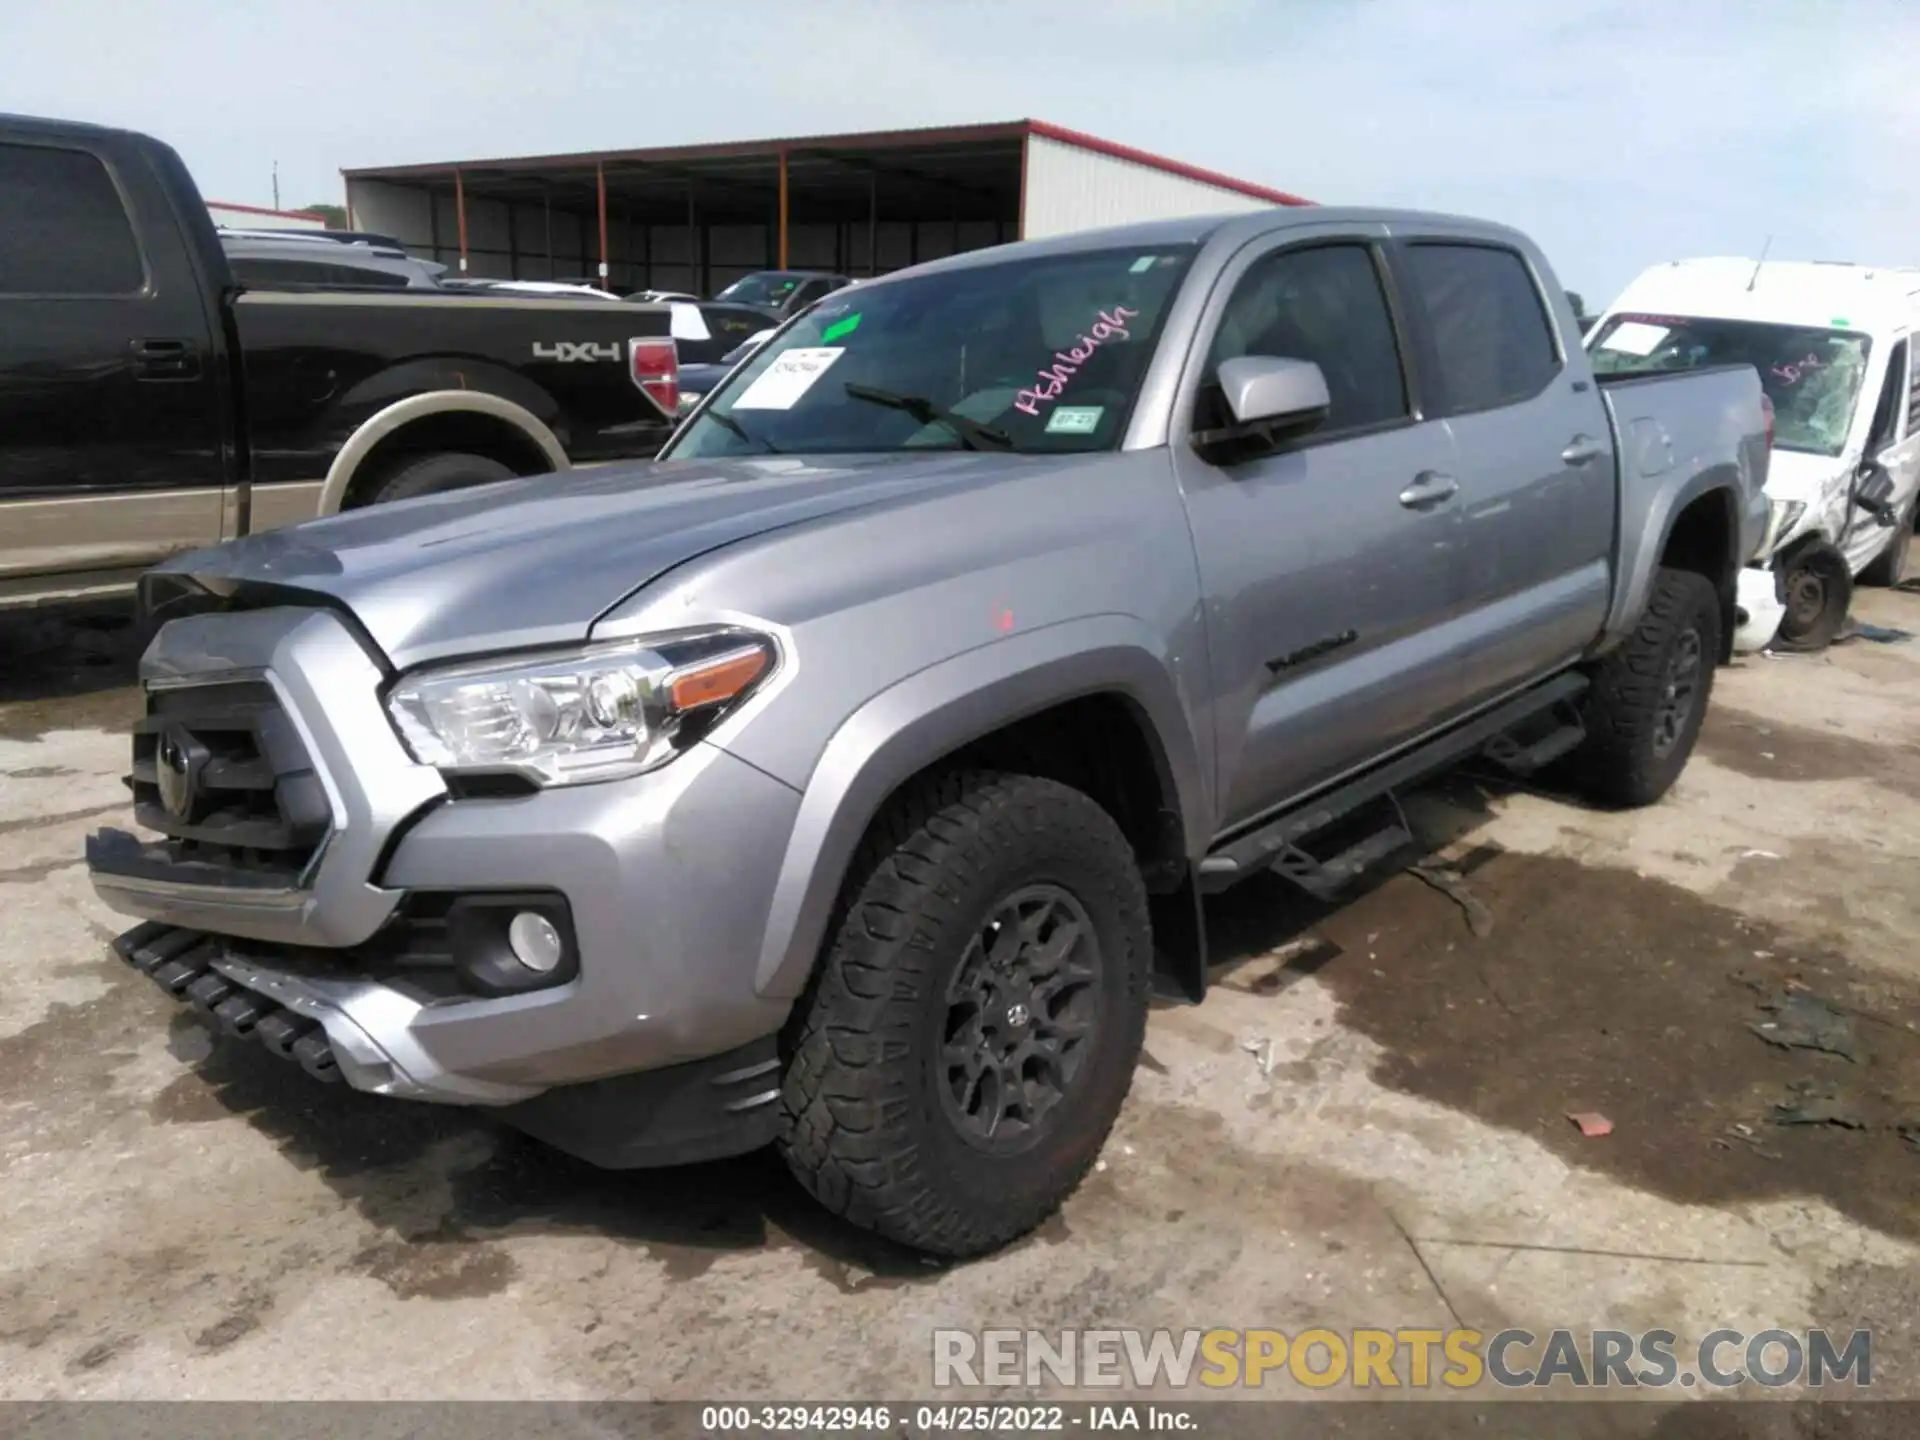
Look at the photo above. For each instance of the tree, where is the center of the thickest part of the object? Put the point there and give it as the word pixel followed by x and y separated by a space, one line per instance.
pixel 1573 296
pixel 334 215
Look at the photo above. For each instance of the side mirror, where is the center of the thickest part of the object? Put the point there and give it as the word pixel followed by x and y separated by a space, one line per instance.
pixel 1268 400
pixel 1873 492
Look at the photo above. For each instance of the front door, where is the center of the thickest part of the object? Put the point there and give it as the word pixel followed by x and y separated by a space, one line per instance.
pixel 110 433
pixel 1893 441
pixel 1326 563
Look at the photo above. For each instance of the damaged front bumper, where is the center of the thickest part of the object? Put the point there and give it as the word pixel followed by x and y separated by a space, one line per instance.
pixel 311 898
pixel 1760 605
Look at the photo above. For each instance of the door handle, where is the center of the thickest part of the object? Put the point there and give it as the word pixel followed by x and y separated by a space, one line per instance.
pixel 1582 449
pixel 164 359
pixel 1429 488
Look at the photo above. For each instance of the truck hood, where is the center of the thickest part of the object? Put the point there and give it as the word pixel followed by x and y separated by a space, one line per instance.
pixel 536 561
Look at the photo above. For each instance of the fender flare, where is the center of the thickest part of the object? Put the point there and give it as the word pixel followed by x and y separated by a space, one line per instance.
pixel 432 402
pixel 1641 545
pixel 933 713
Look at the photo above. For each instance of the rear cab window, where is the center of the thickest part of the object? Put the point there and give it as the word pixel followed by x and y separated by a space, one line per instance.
pixel 65 230
pixel 1487 326
pixel 1040 355
pixel 1812 374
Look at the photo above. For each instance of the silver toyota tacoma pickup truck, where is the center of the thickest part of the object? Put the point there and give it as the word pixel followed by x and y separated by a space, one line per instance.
pixel 848 778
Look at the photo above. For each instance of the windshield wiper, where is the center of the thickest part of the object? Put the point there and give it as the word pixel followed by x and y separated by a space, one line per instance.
pixel 727 422
pixel 972 433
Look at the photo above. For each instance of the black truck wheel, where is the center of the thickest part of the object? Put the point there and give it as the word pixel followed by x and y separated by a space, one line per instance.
pixel 1649 696
pixel 430 474
pixel 972 1030
pixel 1819 591
pixel 1889 567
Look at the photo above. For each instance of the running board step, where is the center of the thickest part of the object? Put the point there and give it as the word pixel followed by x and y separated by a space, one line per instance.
pixel 1258 847
pixel 1325 879
pixel 1519 756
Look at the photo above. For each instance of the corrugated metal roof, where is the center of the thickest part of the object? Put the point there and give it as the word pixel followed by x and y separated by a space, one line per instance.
pixel 931 136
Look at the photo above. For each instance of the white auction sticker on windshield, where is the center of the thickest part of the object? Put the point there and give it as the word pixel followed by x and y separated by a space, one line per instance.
pixel 791 375
pixel 1075 420
pixel 1635 337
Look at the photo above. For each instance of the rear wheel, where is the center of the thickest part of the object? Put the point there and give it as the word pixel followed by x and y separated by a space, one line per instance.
pixel 972 1032
pixel 1889 567
pixel 1649 696
pixel 431 474
pixel 1819 591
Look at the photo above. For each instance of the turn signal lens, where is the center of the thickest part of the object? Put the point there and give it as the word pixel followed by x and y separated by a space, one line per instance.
pixel 717 681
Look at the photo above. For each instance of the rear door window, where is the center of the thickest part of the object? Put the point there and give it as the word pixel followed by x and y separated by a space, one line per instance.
pixel 63 229
pixel 1492 342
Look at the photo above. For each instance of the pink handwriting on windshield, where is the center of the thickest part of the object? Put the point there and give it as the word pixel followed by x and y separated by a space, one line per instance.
pixel 1790 373
pixel 1049 382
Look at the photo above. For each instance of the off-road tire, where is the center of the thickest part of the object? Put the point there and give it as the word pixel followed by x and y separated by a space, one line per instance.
pixel 864 1124
pixel 1625 759
pixel 1890 566
pixel 431 474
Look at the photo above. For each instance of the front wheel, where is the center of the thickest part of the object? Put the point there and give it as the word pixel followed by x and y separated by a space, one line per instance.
pixel 1648 698
pixel 973 1029
pixel 1819 591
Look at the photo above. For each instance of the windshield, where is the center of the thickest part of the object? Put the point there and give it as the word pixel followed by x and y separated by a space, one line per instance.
pixel 1811 375
pixel 764 289
pixel 1037 355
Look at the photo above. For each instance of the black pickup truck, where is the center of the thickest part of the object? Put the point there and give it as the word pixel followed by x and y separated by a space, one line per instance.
pixel 150 403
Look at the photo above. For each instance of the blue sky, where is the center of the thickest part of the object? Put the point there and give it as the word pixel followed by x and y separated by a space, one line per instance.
pixel 1617 132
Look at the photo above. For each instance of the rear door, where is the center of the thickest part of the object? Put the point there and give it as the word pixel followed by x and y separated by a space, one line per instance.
pixel 110 420
pixel 1533 457
pixel 1328 563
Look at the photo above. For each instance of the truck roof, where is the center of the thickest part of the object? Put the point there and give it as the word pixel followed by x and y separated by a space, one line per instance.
pixel 39 124
pixel 1231 229
pixel 1817 293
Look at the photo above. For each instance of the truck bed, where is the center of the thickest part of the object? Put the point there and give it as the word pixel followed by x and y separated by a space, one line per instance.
pixel 1697 422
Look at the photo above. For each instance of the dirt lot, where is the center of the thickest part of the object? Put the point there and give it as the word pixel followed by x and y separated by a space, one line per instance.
pixel 1365 1125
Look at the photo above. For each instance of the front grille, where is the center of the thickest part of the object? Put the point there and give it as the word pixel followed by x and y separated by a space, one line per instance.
pixel 221 772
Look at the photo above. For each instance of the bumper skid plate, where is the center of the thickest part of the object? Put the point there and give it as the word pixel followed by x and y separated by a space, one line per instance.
pixel 724 1104
pixel 180 962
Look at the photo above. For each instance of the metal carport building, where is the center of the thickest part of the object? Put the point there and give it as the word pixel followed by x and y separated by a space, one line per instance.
pixel 697 217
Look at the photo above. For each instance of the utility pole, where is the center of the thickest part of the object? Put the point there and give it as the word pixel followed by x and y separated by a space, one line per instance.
pixel 276 184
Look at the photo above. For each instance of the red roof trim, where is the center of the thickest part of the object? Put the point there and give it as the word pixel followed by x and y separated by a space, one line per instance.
pixel 263 210
pixel 1160 162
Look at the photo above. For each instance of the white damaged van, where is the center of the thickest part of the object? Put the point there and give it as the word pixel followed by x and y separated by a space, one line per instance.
pixel 1833 344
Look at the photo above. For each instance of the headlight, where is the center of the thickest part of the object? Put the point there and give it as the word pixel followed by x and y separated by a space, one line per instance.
pixel 689 399
pixel 597 713
pixel 1785 515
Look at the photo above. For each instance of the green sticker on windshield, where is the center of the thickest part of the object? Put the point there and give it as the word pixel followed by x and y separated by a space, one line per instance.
pixel 1075 419
pixel 1142 265
pixel 839 328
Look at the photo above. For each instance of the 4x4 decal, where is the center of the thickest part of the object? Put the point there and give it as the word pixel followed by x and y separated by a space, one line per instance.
pixel 567 351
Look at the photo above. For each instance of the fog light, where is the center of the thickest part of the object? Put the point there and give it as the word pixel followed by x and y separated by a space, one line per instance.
pixel 535 943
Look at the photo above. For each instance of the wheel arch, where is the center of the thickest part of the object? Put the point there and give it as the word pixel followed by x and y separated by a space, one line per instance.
pixel 1694 526
pixel 441 419
pixel 1003 705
